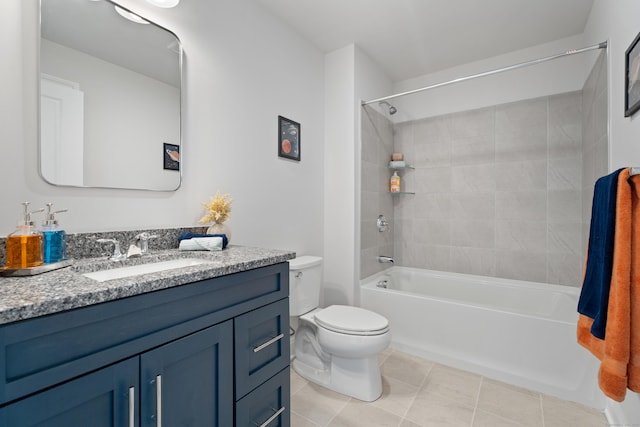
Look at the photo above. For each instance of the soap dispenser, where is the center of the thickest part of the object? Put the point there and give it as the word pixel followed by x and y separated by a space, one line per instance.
pixel 24 246
pixel 55 239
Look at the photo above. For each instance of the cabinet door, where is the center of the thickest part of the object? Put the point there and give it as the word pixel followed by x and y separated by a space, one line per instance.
pixel 268 405
pixel 261 345
pixel 105 398
pixel 189 382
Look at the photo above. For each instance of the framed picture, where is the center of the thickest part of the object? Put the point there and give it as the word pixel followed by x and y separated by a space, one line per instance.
pixel 288 138
pixel 632 78
pixel 171 156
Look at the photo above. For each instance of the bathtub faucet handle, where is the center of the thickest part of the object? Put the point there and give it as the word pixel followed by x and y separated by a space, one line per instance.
pixel 383 259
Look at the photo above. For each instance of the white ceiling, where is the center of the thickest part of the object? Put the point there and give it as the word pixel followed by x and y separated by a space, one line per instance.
pixel 408 38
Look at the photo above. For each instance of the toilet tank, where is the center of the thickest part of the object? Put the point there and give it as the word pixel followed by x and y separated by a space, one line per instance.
pixel 305 279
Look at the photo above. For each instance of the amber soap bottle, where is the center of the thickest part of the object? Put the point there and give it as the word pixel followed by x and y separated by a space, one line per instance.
pixel 24 245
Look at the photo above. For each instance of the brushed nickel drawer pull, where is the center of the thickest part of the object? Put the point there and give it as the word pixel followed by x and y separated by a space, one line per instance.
pixel 159 400
pixel 272 417
pixel 132 407
pixel 268 343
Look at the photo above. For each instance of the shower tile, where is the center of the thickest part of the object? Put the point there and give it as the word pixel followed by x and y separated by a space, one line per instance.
pixel 473 233
pixel 565 238
pixel 432 232
pixel 426 256
pixel 523 117
pixel 521 175
pixel 369 204
pixel 403 141
pixel 565 269
pixel 432 206
pixel 565 206
pixel 404 207
pixel 510 402
pixel 432 129
pixel 433 180
pixel 473 178
pixel 473 206
pixel 474 261
pixel 403 230
pixel 511 264
pixel 527 146
pixel 565 125
pixel 565 174
pixel 369 177
pixel 521 205
pixel 473 150
pixel 474 123
pixel 526 236
pixel 432 153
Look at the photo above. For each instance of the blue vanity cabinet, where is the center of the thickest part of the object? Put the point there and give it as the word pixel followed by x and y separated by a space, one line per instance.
pixel 99 399
pixel 188 382
pixel 168 357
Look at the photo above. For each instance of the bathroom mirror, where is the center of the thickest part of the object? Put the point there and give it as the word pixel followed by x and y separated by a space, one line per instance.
pixel 110 97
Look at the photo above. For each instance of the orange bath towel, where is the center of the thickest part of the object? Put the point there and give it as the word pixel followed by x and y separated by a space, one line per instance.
pixel 619 352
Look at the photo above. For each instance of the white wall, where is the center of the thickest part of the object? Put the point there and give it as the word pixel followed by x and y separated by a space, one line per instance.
pixel 350 77
pixel 565 74
pixel 242 69
pixel 617 22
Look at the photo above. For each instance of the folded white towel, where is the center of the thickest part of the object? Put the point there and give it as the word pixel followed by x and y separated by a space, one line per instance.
pixel 201 244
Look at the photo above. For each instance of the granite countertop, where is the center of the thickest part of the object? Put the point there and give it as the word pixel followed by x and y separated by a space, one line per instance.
pixel 32 296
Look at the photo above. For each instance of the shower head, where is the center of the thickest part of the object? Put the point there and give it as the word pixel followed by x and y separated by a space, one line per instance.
pixel 392 109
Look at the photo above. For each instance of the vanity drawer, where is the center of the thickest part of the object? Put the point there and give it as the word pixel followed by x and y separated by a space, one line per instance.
pixel 268 405
pixel 45 351
pixel 261 345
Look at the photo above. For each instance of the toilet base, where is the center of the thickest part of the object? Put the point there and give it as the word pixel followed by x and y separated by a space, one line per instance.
pixel 359 378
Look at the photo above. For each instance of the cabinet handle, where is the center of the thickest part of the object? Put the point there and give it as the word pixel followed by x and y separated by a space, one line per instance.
pixel 272 417
pixel 268 343
pixel 159 400
pixel 132 407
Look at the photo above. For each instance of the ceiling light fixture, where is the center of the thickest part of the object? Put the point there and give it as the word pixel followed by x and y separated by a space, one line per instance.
pixel 130 16
pixel 164 3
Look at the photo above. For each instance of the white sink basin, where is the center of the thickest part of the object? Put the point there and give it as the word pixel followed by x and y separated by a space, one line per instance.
pixel 135 270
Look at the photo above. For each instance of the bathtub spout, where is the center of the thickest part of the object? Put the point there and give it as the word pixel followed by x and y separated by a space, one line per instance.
pixel 383 259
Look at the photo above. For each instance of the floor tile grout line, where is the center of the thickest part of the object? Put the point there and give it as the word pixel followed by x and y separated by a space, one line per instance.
pixel 541 408
pixel 475 406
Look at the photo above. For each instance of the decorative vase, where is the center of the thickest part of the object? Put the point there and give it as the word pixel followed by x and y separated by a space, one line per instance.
pixel 220 228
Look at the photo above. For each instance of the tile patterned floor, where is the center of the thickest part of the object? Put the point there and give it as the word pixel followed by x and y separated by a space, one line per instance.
pixel 420 393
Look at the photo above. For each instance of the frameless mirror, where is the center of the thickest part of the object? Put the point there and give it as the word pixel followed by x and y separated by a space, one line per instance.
pixel 109 98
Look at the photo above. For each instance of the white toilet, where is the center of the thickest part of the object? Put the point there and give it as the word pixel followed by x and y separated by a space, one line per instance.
pixel 336 347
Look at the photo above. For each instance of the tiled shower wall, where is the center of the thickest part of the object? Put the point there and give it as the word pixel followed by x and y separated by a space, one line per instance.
pixel 501 191
pixel 377 146
pixel 595 140
pixel 498 191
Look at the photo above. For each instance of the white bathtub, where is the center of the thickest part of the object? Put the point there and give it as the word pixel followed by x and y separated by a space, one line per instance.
pixel 522 333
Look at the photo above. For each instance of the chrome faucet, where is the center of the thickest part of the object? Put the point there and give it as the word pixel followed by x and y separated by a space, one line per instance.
pixel 383 259
pixel 117 253
pixel 140 244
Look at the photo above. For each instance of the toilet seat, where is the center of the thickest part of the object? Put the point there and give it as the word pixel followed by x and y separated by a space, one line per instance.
pixel 350 320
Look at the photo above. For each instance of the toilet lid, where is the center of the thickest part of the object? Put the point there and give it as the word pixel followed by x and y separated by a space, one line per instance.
pixel 352 320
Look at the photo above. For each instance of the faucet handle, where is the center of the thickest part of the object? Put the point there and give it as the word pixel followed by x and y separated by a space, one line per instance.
pixel 117 253
pixel 142 241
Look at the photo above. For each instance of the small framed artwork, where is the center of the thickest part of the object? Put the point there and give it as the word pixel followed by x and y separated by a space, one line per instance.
pixel 632 78
pixel 171 156
pixel 288 138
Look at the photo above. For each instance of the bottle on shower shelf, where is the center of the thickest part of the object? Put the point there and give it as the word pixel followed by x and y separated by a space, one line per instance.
pixel 394 183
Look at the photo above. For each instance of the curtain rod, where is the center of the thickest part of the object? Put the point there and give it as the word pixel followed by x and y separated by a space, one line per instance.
pixel 602 45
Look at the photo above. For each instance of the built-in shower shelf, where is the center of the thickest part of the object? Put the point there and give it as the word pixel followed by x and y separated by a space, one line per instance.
pixel 401 167
pixel 394 193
